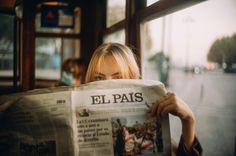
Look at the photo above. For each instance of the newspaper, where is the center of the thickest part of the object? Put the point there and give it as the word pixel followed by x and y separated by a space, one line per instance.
pixel 104 118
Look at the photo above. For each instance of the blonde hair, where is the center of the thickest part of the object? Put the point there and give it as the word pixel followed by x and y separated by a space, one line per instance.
pixel 123 55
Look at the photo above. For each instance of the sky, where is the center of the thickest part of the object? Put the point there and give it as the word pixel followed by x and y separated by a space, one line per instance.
pixel 190 32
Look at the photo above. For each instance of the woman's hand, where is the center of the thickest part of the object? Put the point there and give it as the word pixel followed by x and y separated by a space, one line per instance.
pixel 171 103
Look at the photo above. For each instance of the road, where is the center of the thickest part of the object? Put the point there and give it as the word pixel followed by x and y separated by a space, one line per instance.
pixel 212 97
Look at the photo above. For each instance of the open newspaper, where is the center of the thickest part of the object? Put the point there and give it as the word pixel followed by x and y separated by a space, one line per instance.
pixel 104 118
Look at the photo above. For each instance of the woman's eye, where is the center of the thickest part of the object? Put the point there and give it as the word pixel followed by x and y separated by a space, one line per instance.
pixel 117 77
pixel 98 78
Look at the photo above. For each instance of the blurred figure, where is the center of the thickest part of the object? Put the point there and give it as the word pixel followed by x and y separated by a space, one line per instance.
pixel 162 66
pixel 73 72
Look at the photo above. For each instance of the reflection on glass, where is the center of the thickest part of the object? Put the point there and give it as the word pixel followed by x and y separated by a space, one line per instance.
pixel 118 36
pixel 51 52
pixel 77 24
pixel 115 11
pixel 6 45
pixel 150 2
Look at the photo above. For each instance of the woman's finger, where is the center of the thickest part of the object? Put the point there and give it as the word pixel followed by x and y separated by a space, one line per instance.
pixel 162 105
pixel 154 107
pixel 168 109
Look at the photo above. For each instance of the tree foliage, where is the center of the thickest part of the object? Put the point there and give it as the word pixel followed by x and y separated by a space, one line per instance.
pixel 223 50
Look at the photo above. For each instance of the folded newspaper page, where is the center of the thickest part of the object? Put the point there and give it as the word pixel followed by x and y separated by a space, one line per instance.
pixel 38 125
pixel 104 118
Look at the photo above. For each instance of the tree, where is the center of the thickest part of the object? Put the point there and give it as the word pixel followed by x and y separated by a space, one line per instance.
pixel 230 49
pixel 214 54
pixel 223 51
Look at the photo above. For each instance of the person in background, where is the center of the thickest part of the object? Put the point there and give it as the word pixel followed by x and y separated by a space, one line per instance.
pixel 117 61
pixel 73 72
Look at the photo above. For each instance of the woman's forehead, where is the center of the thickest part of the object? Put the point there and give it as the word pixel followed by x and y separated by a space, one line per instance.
pixel 108 65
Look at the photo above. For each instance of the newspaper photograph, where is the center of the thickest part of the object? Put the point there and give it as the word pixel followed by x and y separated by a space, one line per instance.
pixel 115 122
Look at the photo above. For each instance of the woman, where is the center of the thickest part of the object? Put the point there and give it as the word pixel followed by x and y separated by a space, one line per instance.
pixel 117 61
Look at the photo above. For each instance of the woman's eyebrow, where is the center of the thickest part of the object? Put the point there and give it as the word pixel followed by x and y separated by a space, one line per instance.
pixel 117 73
pixel 98 73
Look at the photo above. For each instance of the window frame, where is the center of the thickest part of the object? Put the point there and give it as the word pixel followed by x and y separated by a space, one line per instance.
pixel 15 78
pixel 40 34
pixel 137 12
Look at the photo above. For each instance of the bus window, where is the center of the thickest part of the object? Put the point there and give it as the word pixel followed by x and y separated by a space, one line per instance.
pixel 76 29
pixel 50 53
pixel 115 11
pixel 189 50
pixel 117 36
pixel 150 2
pixel 8 52
pixel 6 45
pixel 54 45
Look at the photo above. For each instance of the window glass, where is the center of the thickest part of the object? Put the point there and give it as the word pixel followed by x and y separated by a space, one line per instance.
pixel 115 11
pixel 6 45
pixel 51 52
pixel 185 37
pixel 118 36
pixel 193 53
pixel 77 24
pixel 152 46
pixel 150 2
